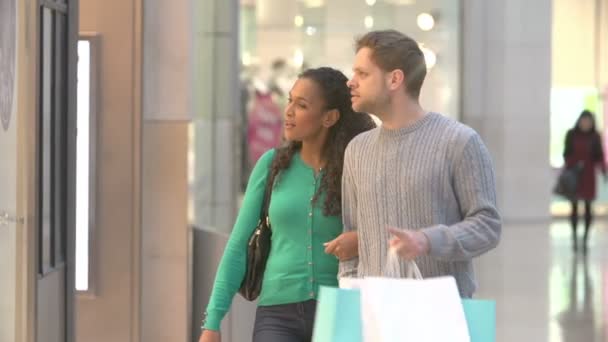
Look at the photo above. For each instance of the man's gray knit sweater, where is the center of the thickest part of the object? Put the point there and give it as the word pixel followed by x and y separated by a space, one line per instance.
pixel 435 176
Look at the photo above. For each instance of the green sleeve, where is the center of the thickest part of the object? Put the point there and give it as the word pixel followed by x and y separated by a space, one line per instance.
pixel 232 266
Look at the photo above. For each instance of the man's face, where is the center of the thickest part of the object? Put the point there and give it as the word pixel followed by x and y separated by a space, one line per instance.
pixel 368 86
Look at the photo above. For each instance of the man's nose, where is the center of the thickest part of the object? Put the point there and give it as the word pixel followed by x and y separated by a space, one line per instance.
pixel 350 83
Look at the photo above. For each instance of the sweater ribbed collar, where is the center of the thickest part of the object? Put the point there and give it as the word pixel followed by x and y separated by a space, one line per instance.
pixel 400 132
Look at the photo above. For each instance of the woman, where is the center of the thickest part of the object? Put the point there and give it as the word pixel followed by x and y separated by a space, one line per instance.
pixel 583 147
pixel 304 212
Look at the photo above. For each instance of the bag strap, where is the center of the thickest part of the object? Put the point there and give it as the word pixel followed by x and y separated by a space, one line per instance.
pixel 392 269
pixel 267 193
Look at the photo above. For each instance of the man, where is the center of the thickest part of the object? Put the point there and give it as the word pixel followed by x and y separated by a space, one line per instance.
pixel 425 180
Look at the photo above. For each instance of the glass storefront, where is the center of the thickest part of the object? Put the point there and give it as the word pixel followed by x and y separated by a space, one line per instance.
pixel 280 38
pixel 277 40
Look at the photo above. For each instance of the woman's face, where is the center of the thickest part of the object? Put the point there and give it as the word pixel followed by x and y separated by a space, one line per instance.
pixel 585 124
pixel 305 115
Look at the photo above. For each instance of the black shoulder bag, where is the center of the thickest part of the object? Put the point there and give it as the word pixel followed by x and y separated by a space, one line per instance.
pixel 258 249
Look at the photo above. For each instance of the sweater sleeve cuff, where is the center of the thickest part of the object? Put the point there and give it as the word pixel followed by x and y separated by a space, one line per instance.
pixel 212 321
pixel 437 238
pixel 348 268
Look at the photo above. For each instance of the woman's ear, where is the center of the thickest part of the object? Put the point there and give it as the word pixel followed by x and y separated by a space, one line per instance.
pixel 331 117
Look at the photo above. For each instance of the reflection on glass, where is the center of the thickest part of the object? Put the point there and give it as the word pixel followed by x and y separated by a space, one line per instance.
pixel 368 22
pixel 298 21
pixel 278 39
pixel 47 139
pixel 82 167
pixel 425 21
pixel 429 57
pixel 311 30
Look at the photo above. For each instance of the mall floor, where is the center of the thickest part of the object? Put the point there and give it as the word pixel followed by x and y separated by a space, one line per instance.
pixel 545 291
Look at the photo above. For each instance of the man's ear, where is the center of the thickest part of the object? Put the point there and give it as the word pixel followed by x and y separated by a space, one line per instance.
pixel 396 79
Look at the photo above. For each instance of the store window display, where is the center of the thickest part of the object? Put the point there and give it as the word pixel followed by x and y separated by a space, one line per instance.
pixel 279 39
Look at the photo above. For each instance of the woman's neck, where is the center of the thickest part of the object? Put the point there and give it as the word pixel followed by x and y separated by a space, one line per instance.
pixel 312 155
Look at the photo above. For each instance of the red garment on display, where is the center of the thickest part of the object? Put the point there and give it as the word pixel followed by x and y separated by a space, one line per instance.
pixel 265 126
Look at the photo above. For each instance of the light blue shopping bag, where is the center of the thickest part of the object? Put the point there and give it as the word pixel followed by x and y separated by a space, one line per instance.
pixel 338 317
pixel 481 319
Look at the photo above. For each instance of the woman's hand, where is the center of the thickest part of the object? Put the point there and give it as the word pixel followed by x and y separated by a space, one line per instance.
pixel 344 247
pixel 210 336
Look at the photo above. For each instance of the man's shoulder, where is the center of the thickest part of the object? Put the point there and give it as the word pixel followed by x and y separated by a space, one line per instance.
pixel 453 131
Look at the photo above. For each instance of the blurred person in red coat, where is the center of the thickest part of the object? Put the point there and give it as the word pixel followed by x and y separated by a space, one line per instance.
pixel 584 147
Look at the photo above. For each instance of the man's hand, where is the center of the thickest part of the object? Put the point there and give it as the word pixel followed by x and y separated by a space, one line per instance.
pixel 344 247
pixel 409 244
pixel 210 336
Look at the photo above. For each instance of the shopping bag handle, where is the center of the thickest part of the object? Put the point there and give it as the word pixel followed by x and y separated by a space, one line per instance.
pixel 393 266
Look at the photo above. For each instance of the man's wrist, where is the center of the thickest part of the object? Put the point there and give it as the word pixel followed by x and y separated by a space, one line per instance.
pixel 423 242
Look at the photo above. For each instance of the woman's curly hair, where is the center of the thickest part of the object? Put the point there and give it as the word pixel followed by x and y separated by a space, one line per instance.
pixel 336 95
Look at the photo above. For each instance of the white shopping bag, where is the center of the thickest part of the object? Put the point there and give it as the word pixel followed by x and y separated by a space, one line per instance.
pixel 397 310
pixel 391 270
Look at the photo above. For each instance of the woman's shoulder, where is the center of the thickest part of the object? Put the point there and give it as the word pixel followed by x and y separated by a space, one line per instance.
pixel 267 157
pixel 570 133
pixel 263 164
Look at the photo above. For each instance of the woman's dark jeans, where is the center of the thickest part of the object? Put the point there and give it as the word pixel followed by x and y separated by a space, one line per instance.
pixel 285 322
